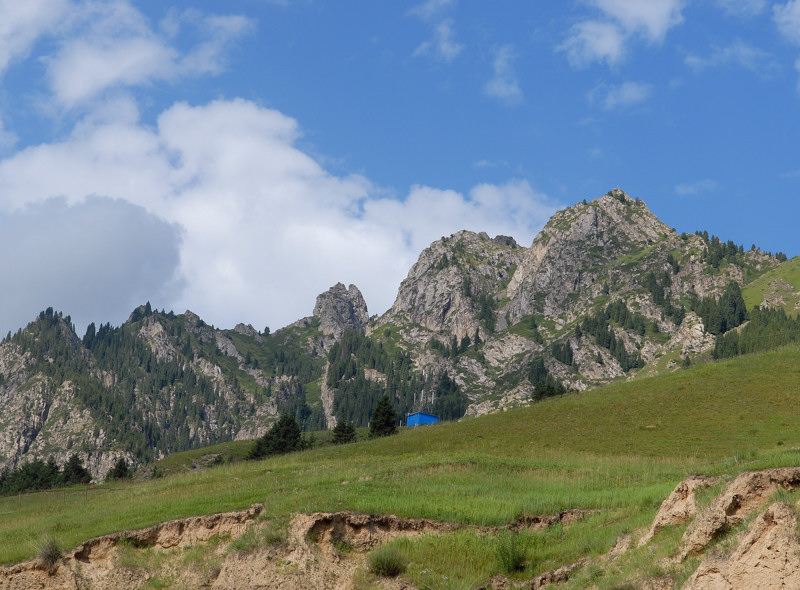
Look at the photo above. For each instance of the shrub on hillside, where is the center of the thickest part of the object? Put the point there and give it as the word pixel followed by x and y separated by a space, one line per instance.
pixel 343 433
pixel 386 561
pixel 384 419
pixel 120 470
pixel 49 553
pixel 283 437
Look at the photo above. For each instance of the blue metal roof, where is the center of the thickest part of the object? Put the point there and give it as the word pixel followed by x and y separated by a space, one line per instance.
pixel 419 418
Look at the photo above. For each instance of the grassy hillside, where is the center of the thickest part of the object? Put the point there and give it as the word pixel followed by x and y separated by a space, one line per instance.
pixel 619 449
pixel 781 283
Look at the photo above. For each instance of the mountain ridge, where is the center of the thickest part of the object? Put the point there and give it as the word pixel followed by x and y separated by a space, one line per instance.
pixel 480 324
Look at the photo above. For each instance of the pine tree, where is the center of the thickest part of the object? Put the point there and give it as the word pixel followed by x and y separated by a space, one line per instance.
pixel 119 471
pixel 283 437
pixel 343 433
pixel 383 419
pixel 74 471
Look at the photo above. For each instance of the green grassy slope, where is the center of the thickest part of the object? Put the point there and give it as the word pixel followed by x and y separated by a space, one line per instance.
pixel 619 449
pixel 787 273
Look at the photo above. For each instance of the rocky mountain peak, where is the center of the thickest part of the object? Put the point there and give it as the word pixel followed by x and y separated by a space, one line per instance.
pixel 341 308
pixel 446 287
pixel 576 247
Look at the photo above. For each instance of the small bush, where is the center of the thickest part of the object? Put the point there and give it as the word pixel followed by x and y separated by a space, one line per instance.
pixel 511 552
pixel 49 552
pixel 386 561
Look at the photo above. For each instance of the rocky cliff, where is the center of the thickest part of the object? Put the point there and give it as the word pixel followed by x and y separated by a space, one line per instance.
pixel 453 284
pixel 340 309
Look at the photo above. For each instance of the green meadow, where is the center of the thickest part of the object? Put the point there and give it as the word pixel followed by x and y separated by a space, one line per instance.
pixel 782 281
pixel 618 450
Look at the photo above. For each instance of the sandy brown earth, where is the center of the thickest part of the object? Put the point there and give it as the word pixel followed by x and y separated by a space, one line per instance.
pixel 768 558
pixel 679 507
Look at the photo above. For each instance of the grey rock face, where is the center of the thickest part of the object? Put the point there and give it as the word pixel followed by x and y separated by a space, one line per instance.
pixel 443 289
pixel 339 309
pixel 576 249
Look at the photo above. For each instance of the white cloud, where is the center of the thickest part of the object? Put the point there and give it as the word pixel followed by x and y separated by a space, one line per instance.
pixel 22 23
pixel 427 213
pixel 623 96
pixel 743 8
pixel 443 44
pixel 504 85
pixel 592 41
pixel 739 54
pixel 263 227
pixel 604 39
pixel 431 8
pixel 112 45
pixel 696 188
pixel 650 18
pixel 209 57
pixel 787 19
pixel 7 139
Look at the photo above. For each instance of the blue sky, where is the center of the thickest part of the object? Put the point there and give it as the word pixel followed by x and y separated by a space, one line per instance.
pixel 239 158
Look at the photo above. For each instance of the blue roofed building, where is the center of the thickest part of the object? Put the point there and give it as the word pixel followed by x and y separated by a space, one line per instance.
pixel 420 418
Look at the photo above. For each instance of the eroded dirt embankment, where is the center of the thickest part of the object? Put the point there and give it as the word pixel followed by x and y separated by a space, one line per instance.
pixel 320 551
pixel 746 539
pixel 763 554
pixel 95 564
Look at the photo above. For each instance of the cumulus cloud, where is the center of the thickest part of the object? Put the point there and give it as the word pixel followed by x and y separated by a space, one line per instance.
pixel 592 41
pixel 428 213
pixel 623 96
pixel 112 45
pixel 443 44
pixel 212 207
pixel 504 85
pixel 650 18
pixel 738 54
pixel 23 23
pixel 264 227
pixel 96 259
pixel 604 39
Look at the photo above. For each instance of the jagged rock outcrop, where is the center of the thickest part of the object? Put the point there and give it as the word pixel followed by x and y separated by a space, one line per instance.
pixel 341 308
pixel 573 255
pixel 765 554
pixel 446 289
pixel 523 302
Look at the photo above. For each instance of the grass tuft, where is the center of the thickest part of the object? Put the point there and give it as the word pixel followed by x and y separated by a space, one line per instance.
pixel 511 552
pixel 387 561
pixel 48 552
